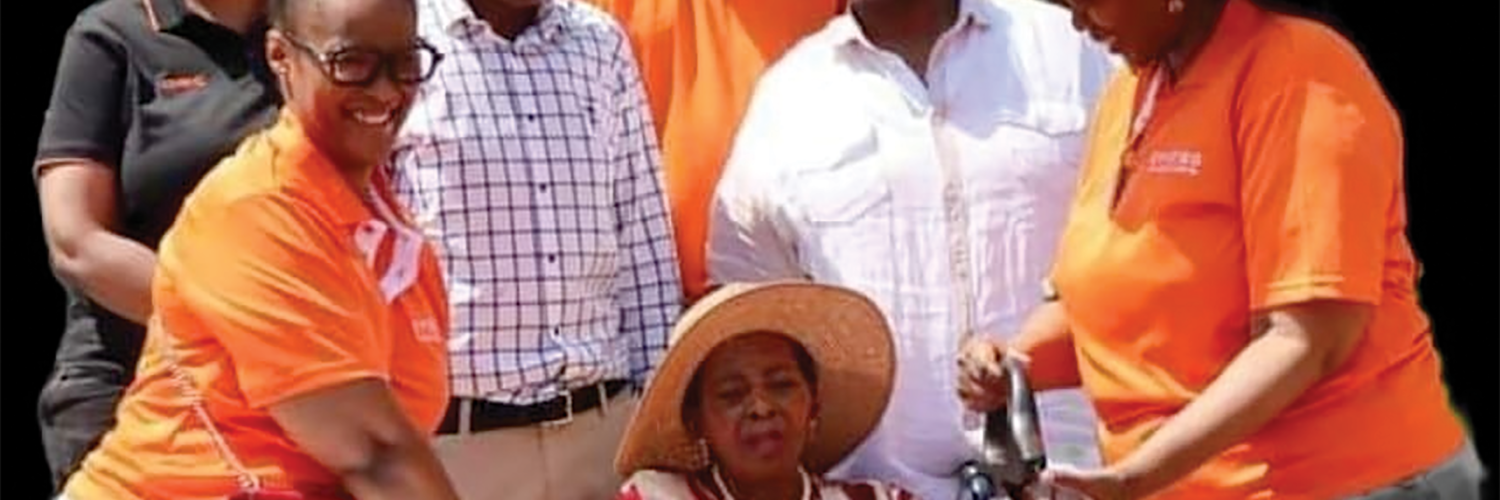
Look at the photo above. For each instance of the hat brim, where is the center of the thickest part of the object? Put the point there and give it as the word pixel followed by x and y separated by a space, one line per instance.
pixel 845 334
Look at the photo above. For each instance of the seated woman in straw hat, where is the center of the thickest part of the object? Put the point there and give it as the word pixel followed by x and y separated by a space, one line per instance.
pixel 766 387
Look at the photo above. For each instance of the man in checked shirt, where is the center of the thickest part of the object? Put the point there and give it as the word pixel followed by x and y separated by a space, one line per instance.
pixel 531 158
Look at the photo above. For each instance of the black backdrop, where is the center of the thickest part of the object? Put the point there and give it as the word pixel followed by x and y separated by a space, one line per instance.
pixel 1438 61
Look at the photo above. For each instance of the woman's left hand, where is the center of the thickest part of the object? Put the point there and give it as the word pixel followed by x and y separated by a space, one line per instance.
pixel 1095 484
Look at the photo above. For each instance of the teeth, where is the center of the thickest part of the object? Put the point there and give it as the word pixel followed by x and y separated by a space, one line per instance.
pixel 369 117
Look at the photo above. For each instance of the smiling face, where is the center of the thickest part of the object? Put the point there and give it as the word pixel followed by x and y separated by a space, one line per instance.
pixel 1141 31
pixel 354 124
pixel 753 401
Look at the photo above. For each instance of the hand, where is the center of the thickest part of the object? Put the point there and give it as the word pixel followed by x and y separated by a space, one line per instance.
pixel 983 385
pixel 1096 484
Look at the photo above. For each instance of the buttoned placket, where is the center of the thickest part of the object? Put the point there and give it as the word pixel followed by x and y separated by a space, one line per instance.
pixel 527 127
pixel 955 197
pixel 931 104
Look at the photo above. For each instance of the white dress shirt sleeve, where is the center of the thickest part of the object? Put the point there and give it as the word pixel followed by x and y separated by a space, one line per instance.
pixel 749 235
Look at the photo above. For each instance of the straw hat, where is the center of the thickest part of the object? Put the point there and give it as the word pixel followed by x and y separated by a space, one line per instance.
pixel 845 334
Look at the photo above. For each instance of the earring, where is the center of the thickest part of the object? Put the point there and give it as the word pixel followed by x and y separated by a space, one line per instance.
pixel 1174 6
pixel 705 457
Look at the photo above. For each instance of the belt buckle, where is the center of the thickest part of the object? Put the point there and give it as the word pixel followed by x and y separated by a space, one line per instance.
pixel 568 403
pixel 568 417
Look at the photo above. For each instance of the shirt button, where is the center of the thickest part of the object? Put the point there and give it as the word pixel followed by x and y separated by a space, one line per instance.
pixel 551 258
pixel 531 117
pixel 542 187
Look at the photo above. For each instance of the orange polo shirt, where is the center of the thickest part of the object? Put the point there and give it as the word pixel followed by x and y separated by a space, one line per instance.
pixel 700 61
pixel 269 285
pixel 1270 174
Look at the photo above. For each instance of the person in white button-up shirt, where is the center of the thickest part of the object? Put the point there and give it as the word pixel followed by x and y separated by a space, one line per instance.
pixel 940 194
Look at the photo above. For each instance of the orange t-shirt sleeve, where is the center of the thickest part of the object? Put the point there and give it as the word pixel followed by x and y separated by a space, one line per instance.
pixel 1321 162
pixel 268 281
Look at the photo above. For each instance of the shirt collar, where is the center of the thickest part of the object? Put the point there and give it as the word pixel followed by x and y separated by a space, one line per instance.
pixel 307 171
pixel 168 15
pixel 456 17
pixel 165 14
pixel 845 29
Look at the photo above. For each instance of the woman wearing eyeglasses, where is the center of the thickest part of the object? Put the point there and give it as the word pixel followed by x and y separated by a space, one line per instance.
pixel 296 346
pixel 1234 287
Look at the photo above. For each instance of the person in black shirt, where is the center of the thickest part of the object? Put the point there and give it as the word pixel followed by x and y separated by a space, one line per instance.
pixel 149 95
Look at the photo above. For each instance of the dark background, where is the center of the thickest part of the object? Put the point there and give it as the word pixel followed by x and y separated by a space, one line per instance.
pixel 1439 62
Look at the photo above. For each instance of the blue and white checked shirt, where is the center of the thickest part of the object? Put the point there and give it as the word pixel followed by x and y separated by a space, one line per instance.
pixel 533 163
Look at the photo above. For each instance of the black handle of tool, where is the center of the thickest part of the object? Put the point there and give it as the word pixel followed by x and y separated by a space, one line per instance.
pixel 1025 421
pixel 1013 444
pixel 1014 431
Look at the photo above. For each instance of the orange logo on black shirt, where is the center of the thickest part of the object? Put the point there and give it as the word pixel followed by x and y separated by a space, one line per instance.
pixel 174 84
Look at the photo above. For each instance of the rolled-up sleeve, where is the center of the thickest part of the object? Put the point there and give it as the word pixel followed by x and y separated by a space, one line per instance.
pixel 748 237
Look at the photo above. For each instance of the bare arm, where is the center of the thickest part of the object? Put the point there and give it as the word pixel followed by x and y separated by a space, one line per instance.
pixel 78 218
pixel 273 281
pixel 1320 174
pixel 81 140
pixel 1302 344
pixel 1045 347
pixel 359 432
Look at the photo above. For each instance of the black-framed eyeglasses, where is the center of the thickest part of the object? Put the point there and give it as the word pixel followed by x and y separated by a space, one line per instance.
pixel 359 67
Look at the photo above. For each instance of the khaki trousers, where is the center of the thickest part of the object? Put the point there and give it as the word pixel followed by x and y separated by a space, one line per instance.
pixel 573 461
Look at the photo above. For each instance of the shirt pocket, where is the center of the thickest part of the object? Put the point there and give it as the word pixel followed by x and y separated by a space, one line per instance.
pixel 1021 180
pixel 832 199
pixel 848 220
pixel 1047 141
pixel 581 115
pixel 844 188
pixel 1029 162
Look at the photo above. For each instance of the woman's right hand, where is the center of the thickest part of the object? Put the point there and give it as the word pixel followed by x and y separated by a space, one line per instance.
pixel 983 385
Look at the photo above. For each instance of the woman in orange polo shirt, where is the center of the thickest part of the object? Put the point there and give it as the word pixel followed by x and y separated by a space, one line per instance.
pixel 1234 288
pixel 296 347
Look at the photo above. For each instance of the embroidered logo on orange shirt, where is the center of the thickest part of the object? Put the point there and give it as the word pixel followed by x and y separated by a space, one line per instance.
pixel 1174 161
